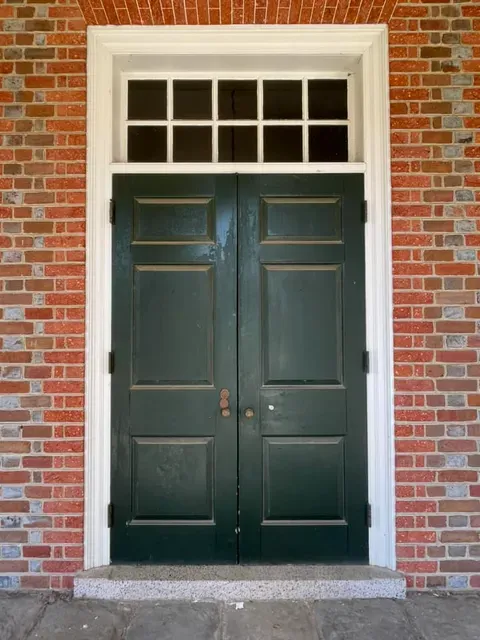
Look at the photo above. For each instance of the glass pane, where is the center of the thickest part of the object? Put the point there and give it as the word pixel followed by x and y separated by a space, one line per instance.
pixel 327 100
pixel 328 143
pixel 282 144
pixel 237 144
pixel 192 99
pixel 192 144
pixel 147 144
pixel 282 99
pixel 237 99
pixel 147 99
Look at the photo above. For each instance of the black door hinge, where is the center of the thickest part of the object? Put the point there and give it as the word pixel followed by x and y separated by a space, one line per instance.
pixel 368 514
pixel 111 215
pixel 366 361
pixel 111 362
pixel 364 211
pixel 110 515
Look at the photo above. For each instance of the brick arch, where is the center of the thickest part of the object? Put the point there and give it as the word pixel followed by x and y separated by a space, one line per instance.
pixel 213 12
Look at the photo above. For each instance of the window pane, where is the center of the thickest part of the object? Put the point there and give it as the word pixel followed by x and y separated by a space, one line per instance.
pixel 282 144
pixel 328 143
pixel 282 99
pixel 327 100
pixel 192 144
pixel 192 99
pixel 237 99
pixel 147 144
pixel 237 144
pixel 147 99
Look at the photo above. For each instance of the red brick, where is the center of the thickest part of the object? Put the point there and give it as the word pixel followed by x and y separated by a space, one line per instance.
pixel 14 506
pixel 36 551
pixel 13 566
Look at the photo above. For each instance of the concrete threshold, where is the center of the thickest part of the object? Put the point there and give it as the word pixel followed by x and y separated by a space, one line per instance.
pixel 227 583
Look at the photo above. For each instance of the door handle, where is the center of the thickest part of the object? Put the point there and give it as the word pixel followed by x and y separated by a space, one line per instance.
pixel 224 403
pixel 249 413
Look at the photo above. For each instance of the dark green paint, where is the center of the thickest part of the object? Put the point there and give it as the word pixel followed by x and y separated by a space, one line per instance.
pixel 298 318
pixel 174 326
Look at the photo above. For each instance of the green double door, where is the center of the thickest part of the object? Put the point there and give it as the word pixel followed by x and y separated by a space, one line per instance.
pixel 238 390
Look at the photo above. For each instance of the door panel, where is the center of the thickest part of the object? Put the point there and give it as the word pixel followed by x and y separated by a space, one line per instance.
pixel 294 298
pixel 302 456
pixel 174 487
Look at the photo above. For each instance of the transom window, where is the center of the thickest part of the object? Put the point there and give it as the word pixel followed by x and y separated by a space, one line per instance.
pixel 244 120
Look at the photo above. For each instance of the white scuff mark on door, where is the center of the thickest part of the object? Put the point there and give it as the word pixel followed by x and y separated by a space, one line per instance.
pixel 238 605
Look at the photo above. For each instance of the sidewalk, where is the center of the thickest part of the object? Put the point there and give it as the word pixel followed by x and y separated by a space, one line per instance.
pixel 420 617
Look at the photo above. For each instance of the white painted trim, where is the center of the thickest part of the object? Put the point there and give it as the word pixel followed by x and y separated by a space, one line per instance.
pixel 98 312
pixel 378 278
pixel 369 43
pixel 231 167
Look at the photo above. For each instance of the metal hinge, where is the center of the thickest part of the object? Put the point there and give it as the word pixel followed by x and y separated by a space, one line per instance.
pixel 368 514
pixel 111 215
pixel 111 362
pixel 365 212
pixel 366 361
pixel 110 515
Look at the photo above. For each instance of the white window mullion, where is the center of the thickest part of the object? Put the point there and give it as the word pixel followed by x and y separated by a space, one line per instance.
pixel 260 119
pixel 215 120
pixel 124 119
pixel 351 133
pixel 169 120
pixel 305 118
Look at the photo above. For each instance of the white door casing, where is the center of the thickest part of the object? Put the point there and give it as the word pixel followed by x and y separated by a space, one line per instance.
pixel 320 47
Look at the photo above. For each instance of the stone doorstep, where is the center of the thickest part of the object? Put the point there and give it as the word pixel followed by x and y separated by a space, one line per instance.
pixel 224 583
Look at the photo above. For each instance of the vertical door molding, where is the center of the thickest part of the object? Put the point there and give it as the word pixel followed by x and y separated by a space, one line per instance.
pixel 378 265
pixel 368 43
pixel 98 307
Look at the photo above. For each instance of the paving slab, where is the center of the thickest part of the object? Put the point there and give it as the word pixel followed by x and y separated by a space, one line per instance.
pixel 421 617
pixel 18 614
pixel 83 620
pixel 363 620
pixel 446 617
pixel 269 621
pixel 175 621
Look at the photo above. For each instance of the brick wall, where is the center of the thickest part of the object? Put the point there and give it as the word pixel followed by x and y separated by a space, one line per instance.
pixel 42 269
pixel 435 83
pixel 435 119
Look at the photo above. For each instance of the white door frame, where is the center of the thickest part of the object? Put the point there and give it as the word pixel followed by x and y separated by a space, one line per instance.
pixel 367 43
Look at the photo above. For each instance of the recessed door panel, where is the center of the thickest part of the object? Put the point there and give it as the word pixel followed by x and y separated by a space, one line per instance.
pixel 173 325
pixel 174 220
pixel 302 330
pixel 172 480
pixel 303 479
pixel 310 220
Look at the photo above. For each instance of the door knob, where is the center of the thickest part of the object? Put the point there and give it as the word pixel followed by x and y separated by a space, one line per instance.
pixel 249 413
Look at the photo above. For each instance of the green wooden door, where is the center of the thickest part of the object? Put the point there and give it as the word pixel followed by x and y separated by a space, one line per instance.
pixel 294 489
pixel 302 456
pixel 174 456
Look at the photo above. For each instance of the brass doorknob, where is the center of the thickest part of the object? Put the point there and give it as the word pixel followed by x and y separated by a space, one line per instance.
pixel 249 413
